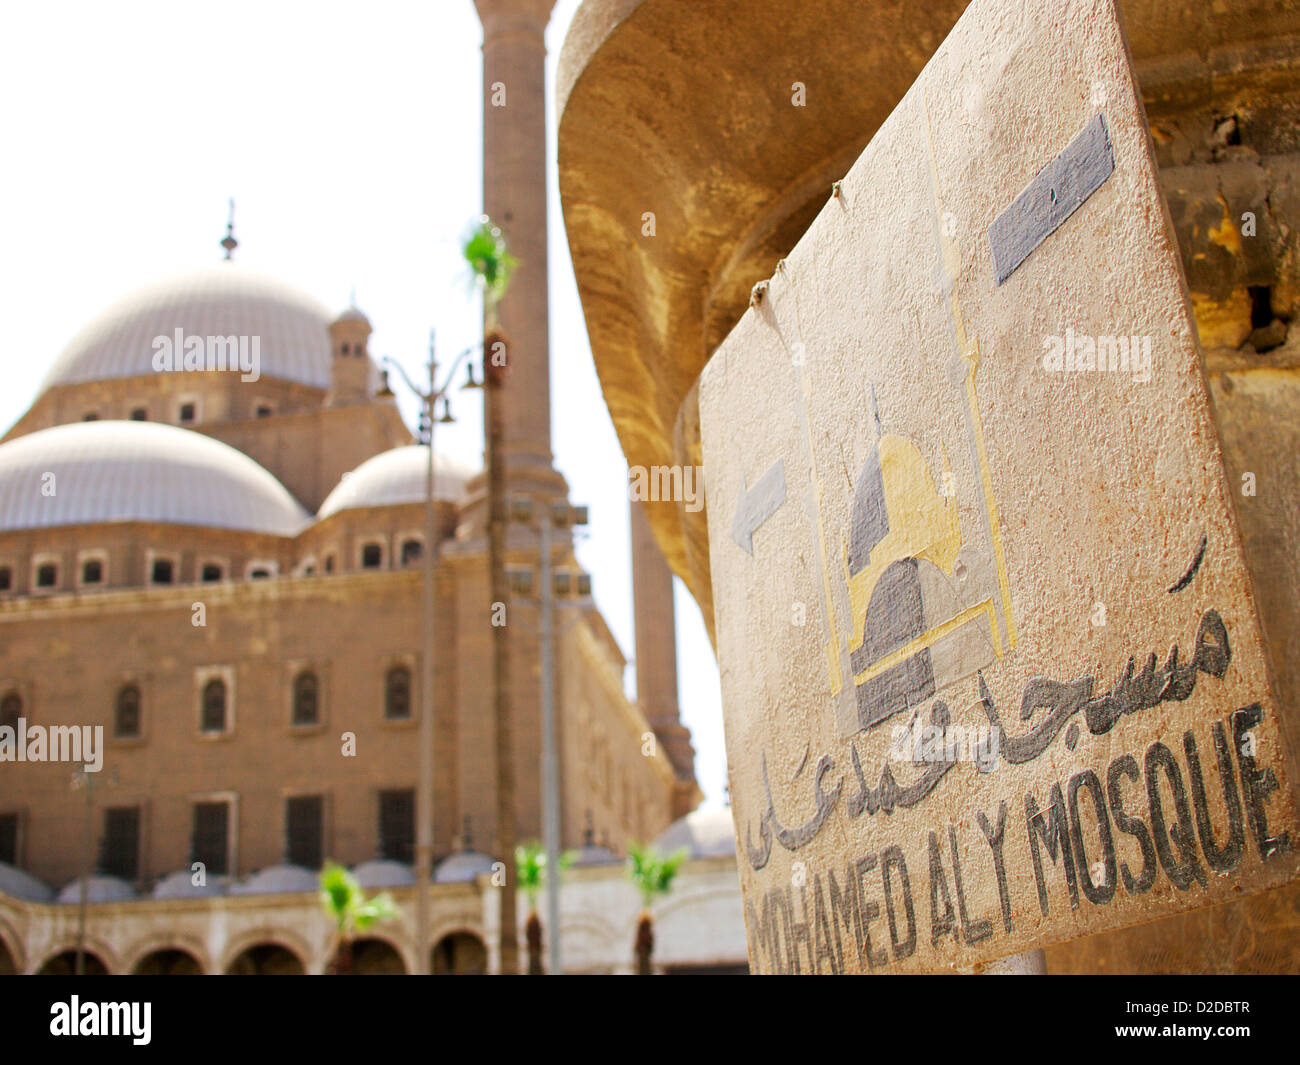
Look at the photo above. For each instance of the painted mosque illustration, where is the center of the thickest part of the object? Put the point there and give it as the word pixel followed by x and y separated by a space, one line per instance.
pixel 923 598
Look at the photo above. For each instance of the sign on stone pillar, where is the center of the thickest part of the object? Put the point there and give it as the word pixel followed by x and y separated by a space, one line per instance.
pixel 992 669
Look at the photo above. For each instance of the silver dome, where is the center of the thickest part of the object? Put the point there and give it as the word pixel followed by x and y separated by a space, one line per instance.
pixel 19 884
pixel 98 889
pixel 704 834
pixel 111 471
pixel 382 873
pixel 278 879
pixel 223 299
pixel 395 477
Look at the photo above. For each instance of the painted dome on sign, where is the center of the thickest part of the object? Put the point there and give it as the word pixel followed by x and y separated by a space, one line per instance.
pixel 395 477
pixel 218 300
pixel 138 471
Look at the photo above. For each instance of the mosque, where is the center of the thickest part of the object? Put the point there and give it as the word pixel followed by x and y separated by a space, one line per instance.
pixel 211 550
pixel 223 576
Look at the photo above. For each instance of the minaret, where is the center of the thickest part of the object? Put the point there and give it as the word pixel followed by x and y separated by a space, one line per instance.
pixel 514 197
pixel 656 656
pixel 350 366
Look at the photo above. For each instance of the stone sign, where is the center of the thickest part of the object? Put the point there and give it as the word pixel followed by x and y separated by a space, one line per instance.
pixel 992 669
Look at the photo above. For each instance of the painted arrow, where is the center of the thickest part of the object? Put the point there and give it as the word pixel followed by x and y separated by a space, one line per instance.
pixel 757 504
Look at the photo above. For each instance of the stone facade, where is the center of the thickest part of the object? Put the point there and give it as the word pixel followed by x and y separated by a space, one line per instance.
pixel 121 587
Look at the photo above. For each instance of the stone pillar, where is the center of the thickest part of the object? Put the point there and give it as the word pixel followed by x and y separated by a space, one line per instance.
pixel 514 197
pixel 656 655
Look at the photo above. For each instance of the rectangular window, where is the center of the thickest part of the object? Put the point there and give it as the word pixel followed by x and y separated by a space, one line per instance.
pixel 121 849
pixel 211 841
pixel 9 838
pixel 304 817
pixel 397 825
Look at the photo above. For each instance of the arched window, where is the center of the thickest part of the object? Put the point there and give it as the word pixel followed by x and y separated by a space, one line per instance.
pixel 214 706
pixel 126 714
pixel 162 572
pixel 11 709
pixel 211 572
pixel 371 556
pixel 92 571
pixel 47 575
pixel 397 694
pixel 306 706
pixel 411 552
pixel 6 578
pixel 329 563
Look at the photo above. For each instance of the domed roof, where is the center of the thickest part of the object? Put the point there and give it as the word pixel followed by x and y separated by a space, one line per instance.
pixel 353 314
pixel 594 854
pixel 138 471
pixel 462 867
pixel 397 476
pixel 218 300
pixel 98 889
pixel 704 834
pixel 180 885
pixel 19 884
pixel 382 873
pixel 278 879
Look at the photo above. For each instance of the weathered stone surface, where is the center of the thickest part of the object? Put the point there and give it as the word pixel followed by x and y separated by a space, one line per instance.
pixel 969 535
pixel 687 111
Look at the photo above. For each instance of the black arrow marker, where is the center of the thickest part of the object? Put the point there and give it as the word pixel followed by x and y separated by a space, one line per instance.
pixel 757 504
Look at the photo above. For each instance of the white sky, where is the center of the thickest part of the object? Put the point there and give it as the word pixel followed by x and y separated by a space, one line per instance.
pixel 350 136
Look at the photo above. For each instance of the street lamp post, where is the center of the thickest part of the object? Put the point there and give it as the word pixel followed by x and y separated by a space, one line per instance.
pixel 424 793
pixel 550 757
pixel 568 515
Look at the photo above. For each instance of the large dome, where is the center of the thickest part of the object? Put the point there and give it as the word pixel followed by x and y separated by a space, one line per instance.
pixel 397 476
pixel 138 471
pixel 219 300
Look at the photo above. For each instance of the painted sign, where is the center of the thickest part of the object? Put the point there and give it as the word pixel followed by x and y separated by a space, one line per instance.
pixel 992 669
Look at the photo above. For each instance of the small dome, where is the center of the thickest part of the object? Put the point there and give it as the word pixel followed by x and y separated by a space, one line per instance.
pixel 98 889
pixel 180 885
pixel 19 884
pixel 278 880
pixel 352 314
pixel 382 873
pixel 462 867
pixel 594 854
pixel 704 834
pixel 139 471
pixel 223 299
pixel 395 477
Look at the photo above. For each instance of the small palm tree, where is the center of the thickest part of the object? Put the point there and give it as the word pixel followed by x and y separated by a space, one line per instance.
pixel 652 874
pixel 490 260
pixel 530 869
pixel 343 899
